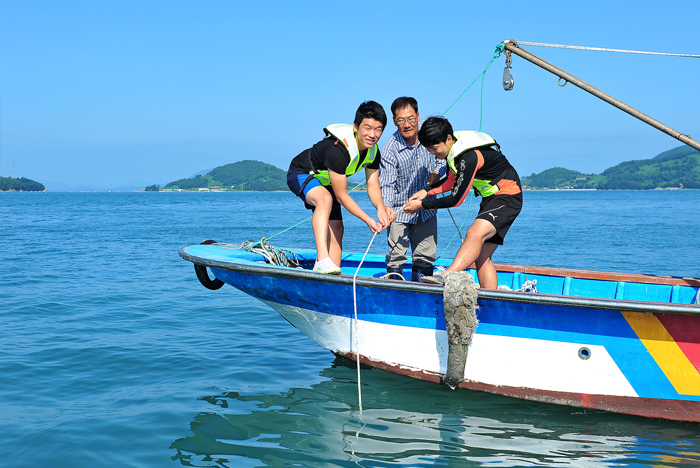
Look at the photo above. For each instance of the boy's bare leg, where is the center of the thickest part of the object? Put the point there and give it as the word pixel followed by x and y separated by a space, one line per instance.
pixel 335 240
pixel 488 277
pixel 470 250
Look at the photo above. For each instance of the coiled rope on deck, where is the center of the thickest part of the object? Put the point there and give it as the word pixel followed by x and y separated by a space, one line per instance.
pixel 273 255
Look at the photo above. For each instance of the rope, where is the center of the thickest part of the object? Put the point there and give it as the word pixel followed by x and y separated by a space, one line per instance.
pixel 528 286
pixel 291 227
pixel 459 230
pixel 357 343
pixel 481 112
pixel 305 220
pixel 600 49
pixel 273 255
pixel 496 54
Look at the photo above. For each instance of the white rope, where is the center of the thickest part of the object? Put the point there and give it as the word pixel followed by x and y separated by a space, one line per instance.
pixel 357 343
pixel 600 49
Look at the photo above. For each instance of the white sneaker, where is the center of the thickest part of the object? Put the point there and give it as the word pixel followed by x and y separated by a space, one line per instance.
pixel 326 266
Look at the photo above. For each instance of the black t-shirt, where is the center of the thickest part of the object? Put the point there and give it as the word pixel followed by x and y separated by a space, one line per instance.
pixel 328 154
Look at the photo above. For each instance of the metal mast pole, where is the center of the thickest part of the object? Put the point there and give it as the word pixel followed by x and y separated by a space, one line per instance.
pixel 512 46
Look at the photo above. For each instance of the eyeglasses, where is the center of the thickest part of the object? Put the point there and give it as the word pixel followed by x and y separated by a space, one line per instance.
pixel 410 120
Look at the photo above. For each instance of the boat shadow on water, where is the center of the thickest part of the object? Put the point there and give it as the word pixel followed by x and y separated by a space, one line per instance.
pixel 409 422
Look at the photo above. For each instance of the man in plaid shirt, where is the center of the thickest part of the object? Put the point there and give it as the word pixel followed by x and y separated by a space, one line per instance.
pixel 405 168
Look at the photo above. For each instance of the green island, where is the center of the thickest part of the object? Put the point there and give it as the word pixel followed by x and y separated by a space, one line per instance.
pixel 677 168
pixel 673 169
pixel 22 184
pixel 242 176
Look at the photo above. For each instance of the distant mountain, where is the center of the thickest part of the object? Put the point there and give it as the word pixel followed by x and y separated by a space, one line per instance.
pixel 675 168
pixel 205 171
pixel 245 175
pixel 559 177
pixel 20 185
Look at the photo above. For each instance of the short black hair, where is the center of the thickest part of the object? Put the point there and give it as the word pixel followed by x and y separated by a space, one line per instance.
pixel 435 131
pixel 370 110
pixel 403 101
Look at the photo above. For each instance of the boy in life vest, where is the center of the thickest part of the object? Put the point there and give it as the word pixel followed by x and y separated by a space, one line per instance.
pixel 474 160
pixel 318 176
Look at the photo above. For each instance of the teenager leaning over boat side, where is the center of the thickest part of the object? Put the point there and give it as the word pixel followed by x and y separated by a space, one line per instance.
pixel 474 160
pixel 318 176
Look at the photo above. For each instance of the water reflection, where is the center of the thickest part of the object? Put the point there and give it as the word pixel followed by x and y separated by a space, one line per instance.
pixel 410 423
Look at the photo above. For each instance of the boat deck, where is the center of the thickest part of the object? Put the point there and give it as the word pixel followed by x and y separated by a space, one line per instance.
pixel 550 281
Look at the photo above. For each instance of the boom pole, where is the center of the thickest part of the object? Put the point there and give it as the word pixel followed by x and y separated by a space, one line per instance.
pixel 512 46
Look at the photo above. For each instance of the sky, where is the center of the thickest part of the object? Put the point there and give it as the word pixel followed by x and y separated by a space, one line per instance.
pixel 122 94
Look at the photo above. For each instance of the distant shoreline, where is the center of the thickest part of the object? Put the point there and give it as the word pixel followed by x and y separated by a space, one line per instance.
pixel 285 191
pixel 209 191
pixel 524 189
pixel 606 190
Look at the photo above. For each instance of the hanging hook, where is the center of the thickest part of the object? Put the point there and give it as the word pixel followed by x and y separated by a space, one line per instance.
pixel 560 83
pixel 508 81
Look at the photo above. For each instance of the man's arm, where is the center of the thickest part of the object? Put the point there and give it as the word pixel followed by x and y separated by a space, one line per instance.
pixel 440 167
pixel 339 182
pixel 375 196
pixel 388 173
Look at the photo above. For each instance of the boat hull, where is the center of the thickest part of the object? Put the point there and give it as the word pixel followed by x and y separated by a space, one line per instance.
pixel 592 353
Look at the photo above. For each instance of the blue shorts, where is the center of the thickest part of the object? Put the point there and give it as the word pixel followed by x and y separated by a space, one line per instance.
pixel 296 179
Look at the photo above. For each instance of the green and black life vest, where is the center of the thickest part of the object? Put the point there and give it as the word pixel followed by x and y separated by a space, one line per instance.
pixel 345 134
pixel 469 140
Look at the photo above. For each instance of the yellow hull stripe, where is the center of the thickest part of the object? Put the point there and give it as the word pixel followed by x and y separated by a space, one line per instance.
pixel 666 352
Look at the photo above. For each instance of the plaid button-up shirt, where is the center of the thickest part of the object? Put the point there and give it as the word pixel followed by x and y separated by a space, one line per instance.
pixel 404 170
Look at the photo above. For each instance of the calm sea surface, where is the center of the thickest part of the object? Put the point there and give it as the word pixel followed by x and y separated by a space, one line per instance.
pixel 113 355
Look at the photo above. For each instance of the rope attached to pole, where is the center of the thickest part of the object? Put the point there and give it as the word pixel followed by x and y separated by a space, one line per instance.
pixel 514 47
pixel 496 54
pixel 601 49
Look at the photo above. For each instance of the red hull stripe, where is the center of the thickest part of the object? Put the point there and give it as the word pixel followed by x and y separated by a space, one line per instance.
pixel 669 356
pixel 685 330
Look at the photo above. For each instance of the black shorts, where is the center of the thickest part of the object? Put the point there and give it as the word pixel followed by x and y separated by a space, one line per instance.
pixel 501 211
pixel 296 179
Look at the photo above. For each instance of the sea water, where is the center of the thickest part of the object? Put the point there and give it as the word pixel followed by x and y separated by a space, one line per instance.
pixel 113 355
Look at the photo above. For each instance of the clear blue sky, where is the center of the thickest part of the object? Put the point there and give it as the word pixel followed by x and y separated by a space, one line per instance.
pixel 128 93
